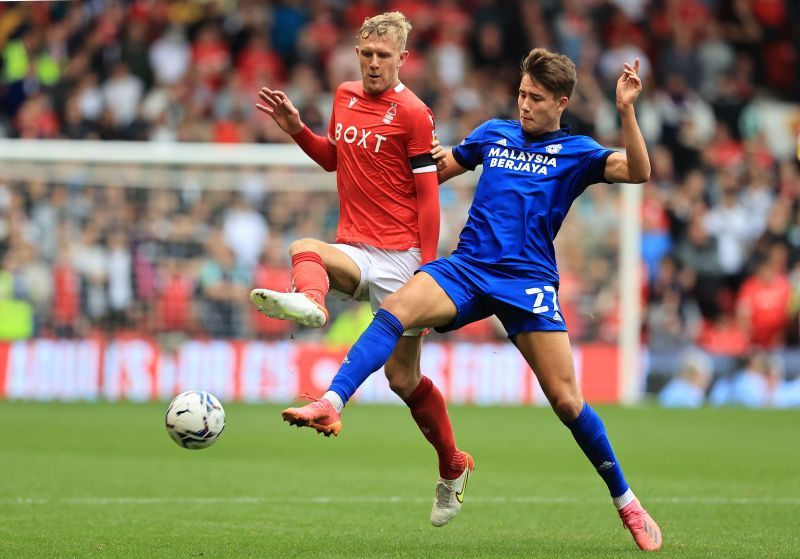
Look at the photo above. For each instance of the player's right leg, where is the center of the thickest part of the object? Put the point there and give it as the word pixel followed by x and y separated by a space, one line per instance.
pixel 429 411
pixel 550 356
pixel 316 266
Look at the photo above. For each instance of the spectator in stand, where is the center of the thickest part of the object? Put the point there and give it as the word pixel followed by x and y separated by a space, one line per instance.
pixel 787 394
pixel 672 318
pixel 120 280
pixel 721 334
pixel 174 308
pixel 122 92
pixel 698 256
pixel 272 272
pixel 225 285
pixel 211 56
pixel 733 226
pixel 65 311
pixel 90 261
pixel 753 386
pixel 764 301
pixel 656 242
pixel 245 231
pixel 170 56
pixel 688 389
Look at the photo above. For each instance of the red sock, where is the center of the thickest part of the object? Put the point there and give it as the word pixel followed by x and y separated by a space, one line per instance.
pixel 429 411
pixel 310 276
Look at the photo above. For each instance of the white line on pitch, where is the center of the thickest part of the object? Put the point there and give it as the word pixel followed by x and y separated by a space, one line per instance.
pixel 791 501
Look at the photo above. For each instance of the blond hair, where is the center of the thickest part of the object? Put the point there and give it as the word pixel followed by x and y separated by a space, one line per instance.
pixel 381 24
pixel 554 72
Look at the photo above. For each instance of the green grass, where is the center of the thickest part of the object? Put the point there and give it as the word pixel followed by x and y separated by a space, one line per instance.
pixel 104 480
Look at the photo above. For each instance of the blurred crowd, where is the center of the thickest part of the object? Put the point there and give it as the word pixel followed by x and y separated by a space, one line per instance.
pixel 720 113
pixel 756 381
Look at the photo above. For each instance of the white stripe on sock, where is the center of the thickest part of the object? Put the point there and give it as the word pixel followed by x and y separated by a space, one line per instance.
pixel 624 499
pixel 334 399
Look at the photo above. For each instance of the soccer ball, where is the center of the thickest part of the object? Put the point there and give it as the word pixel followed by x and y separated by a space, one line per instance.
pixel 195 419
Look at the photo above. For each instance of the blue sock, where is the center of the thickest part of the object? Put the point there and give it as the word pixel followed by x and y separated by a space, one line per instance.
pixel 590 433
pixel 368 354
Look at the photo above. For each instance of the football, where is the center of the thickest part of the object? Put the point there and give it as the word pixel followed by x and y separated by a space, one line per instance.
pixel 195 419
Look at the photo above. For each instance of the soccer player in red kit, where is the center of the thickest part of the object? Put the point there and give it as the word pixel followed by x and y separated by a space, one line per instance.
pixel 379 143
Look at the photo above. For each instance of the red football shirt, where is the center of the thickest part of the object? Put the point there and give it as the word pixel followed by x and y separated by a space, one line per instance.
pixel 767 304
pixel 381 140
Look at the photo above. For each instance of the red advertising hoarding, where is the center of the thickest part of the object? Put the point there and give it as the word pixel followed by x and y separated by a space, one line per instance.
pixel 251 371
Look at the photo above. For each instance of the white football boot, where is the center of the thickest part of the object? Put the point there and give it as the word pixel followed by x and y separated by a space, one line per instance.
pixel 297 307
pixel 450 495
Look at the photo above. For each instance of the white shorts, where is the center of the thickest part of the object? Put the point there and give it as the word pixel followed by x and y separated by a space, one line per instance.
pixel 382 272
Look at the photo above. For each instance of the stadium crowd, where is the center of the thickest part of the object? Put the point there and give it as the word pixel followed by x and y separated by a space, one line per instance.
pixel 720 114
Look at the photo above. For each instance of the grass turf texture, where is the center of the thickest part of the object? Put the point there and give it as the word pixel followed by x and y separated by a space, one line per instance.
pixel 105 480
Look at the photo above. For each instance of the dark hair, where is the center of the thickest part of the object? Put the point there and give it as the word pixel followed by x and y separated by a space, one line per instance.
pixel 552 71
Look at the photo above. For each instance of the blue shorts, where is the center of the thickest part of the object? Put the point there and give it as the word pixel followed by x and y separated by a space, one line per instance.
pixel 522 305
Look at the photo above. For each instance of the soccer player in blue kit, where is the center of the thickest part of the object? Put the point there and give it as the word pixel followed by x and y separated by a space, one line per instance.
pixel 533 170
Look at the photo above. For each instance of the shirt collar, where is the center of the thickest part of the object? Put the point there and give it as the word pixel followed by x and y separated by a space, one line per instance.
pixel 560 133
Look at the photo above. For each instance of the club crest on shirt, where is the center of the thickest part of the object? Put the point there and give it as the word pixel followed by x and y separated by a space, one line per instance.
pixel 553 148
pixel 390 114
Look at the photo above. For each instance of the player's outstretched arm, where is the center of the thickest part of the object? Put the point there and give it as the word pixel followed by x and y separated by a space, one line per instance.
pixel 445 163
pixel 276 104
pixel 449 168
pixel 634 166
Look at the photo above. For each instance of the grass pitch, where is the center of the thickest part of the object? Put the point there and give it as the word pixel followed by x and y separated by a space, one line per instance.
pixel 104 480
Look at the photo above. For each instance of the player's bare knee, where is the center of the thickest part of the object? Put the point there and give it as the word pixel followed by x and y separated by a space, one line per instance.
pixel 304 245
pixel 402 379
pixel 567 408
pixel 393 303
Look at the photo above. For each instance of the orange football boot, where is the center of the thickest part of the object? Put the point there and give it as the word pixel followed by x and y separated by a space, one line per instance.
pixel 644 529
pixel 319 414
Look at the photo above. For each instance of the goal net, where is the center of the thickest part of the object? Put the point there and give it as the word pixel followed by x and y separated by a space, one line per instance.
pixel 126 269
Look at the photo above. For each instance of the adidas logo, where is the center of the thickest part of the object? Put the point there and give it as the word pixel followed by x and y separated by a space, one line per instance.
pixel 502 142
pixel 352 102
pixel 605 466
pixel 557 317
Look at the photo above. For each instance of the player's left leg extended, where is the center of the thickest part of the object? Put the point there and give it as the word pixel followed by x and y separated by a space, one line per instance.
pixel 428 409
pixel 550 356
pixel 419 303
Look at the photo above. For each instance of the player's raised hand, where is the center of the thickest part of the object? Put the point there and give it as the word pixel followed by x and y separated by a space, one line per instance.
pixel 629 85
pixel 277 105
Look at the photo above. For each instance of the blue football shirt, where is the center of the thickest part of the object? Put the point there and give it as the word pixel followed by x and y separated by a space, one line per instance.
pixel 527 186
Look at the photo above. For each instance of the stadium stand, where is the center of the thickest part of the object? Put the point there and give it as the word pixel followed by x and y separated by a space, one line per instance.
pixel 720 112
